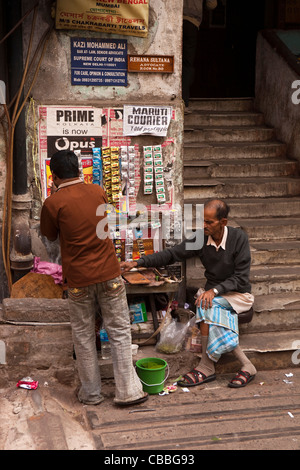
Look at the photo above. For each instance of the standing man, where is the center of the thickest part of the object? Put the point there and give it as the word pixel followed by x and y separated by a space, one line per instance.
pixel 92 274
pixel 192 19
pixel 225 255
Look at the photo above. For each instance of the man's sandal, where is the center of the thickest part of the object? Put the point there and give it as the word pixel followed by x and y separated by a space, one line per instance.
pixel 198 378
pixel 243 377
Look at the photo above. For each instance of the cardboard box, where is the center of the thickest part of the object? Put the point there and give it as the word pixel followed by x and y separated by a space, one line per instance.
pixel 138 313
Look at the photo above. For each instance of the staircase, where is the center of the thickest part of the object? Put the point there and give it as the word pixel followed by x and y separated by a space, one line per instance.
pixel 230 153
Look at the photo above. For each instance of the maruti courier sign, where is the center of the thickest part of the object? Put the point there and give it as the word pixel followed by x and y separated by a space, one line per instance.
pixel 129 17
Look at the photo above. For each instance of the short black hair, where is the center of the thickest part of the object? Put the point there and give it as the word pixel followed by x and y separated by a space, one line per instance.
pixel 222 209
pixel 64 164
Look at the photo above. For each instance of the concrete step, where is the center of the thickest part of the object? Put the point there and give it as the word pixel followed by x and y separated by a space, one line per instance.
pixel 274 312
pixel 275 279
pixel 269 238
pixel 48 346
pixel 268 342
pixel 247 187
pixel 281 251
pixel 240 168
pixel 247 207
pixel 271 228
pixel 222 104
pixel 265 280
pixel 269 350
pixel 229 134
pixel 274 207
pixel 217 118
pixel 230 159
pixel 233 150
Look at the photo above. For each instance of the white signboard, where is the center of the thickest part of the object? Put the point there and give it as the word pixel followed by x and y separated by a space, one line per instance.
pixel 67 128
pixel 153 120
pixel 73 121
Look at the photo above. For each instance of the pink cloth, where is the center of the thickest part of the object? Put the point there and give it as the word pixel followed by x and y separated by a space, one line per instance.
pixel 52 269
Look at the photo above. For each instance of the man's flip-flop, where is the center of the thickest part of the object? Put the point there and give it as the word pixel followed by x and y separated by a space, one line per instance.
pixel 198 378
pixel 133 402
pixel 243 377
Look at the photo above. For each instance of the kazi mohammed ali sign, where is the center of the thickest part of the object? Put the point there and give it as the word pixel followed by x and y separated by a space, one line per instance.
pixel 98 62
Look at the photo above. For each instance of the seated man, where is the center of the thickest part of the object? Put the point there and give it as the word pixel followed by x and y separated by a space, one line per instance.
pixel 225 255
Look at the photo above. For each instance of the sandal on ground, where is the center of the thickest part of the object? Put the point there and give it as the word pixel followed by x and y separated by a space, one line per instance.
pixel 243 377
pixel 133 402
pixel 198 378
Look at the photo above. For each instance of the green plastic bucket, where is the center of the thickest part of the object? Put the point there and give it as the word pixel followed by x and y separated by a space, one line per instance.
pixel 151 372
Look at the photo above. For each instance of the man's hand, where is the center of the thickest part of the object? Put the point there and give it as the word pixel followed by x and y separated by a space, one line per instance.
pixel 53 188
pixel 127 265
pixel 205 299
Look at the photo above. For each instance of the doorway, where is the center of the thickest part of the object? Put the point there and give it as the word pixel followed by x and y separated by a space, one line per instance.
pixel 225 59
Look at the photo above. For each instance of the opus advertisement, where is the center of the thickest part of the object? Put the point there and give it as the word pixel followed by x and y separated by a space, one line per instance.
pixel 67 128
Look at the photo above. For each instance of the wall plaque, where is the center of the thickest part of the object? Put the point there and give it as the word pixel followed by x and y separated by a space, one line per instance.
pixel 98 62
pixel 151 63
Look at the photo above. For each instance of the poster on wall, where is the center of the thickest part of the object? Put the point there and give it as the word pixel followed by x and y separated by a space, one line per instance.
pixel 152 120
pixel 68 128
pixel 112 128
pixel 87 174
pixel 111 16
pixel 98 62
pixel 84 129
pixel 151 64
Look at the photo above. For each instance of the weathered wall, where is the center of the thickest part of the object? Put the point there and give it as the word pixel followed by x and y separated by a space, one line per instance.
pixel 53 87
pixel 273 95
pixel 54 81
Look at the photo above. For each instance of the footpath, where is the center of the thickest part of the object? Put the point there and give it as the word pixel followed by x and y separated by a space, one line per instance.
pixel 265 415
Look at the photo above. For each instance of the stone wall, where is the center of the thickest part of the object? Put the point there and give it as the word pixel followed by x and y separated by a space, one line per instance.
pixel 53 87
pixel 164 38
pixel 31 342
pixel 274 95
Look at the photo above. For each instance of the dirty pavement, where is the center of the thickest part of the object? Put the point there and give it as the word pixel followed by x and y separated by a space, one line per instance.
pixel 265 415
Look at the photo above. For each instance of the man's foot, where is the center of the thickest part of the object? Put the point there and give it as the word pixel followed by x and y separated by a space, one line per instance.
pixel 91 402
pixel 195 377
pixel 241 379
pixel 133 402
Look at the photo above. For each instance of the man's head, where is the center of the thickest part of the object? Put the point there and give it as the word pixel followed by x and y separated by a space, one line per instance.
pixel 64 165
pixel 215 218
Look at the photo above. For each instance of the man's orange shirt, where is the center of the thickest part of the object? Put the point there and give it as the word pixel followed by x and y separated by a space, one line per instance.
pixel 71 214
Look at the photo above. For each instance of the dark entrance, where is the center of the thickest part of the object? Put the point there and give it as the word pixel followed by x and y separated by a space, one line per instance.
pixel 225 61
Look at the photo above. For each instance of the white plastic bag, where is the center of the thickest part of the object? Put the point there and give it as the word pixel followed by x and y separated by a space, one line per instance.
pixel 172 337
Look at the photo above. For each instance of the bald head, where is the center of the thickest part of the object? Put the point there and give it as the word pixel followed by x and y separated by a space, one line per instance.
pixel 220 207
